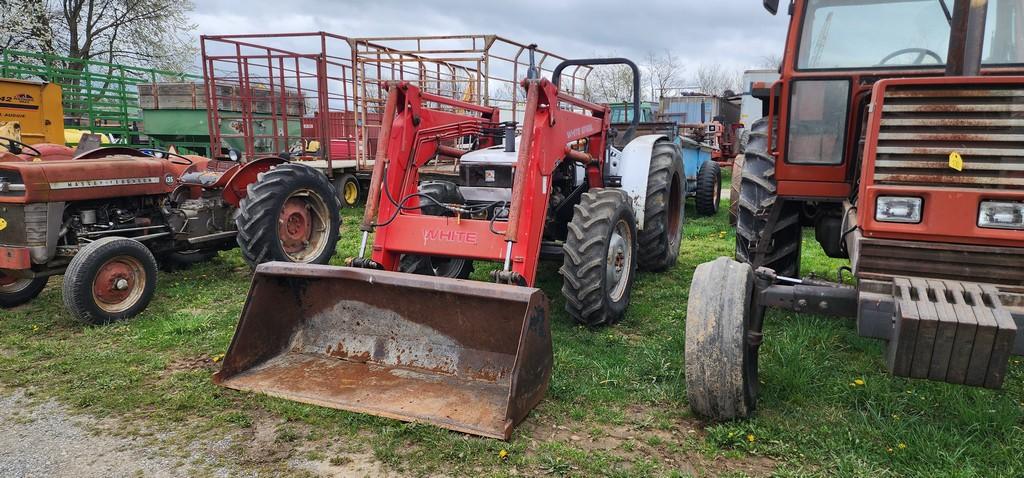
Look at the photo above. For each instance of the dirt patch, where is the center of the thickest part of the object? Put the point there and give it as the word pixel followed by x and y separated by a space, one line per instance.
pixel 269 439
pixel 188 364
pixel 348 465
pixel 637 438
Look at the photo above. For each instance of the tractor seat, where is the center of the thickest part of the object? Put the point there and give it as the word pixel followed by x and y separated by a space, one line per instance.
pixel 201 178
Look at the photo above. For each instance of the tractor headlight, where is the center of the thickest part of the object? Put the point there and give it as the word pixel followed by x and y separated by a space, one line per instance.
pixel 1001 215
pixel 898 209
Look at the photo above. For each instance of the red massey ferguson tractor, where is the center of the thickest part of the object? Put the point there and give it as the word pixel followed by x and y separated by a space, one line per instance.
pixel 392 336
pixel 105 217
pixel 895 132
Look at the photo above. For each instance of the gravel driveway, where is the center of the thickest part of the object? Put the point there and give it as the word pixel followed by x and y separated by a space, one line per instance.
pixel 44 440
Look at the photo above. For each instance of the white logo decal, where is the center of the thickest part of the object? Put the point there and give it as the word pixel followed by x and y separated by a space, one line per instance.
pixel 101 183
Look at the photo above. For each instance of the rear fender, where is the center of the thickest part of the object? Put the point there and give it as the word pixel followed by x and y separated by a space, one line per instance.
pixel 634 165
pixel 235 188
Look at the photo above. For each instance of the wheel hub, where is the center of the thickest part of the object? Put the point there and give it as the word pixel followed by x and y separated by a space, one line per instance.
pixel 351 193
pixel 616 260
pixel 116 281
pixel 296 225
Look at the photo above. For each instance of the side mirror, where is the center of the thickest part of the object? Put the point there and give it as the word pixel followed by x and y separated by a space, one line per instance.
pixel 234 155
pixel 772 6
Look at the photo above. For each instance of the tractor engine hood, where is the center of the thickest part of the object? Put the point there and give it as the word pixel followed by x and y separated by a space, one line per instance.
pixel 85 179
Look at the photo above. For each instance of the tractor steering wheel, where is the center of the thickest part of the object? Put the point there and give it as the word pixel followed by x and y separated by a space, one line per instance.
pixel 162 154
pixel 16 147
pixel 921 54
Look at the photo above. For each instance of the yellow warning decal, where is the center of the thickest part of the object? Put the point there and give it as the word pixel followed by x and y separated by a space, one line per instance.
pixel 956 161
pixel 3 224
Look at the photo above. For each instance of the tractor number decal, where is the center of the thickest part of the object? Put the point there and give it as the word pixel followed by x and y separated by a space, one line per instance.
pixel 100 183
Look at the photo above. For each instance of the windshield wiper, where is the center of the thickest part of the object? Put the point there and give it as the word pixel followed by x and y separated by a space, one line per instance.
pixel 945 10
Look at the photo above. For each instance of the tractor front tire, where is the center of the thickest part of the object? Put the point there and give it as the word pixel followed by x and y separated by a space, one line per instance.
pixel 15 291
pixel 709 188
pixel 289 214
pixel 721 368
pixel 450 267
pixel 757 198
pixel 110 279
pixel 664 209
pixel 599 259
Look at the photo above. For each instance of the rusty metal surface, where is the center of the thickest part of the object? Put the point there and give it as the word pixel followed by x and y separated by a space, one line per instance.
pixel 885 258
pixel 950 331
pixel 921 125
pixel 468 356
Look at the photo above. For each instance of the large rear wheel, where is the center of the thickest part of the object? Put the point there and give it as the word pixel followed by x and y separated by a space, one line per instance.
pixel 768 230
pixel 721 360
pixel 289 214
pixel 110 279
pixel 599 260
pixel 15 291
pixel 663 210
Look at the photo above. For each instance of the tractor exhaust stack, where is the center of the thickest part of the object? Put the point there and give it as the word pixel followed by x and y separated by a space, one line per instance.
pixel 468 356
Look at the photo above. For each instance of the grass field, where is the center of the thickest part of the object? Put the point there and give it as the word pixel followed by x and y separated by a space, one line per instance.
pixel 616 406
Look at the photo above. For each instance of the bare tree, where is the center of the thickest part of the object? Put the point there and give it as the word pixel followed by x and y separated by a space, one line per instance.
pixel 610 84
pixel 151 33
pixel 663 71
pixel 713 79
pixel 771 61
pixel 26 26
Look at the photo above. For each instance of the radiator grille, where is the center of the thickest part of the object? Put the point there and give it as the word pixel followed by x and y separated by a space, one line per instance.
pixel 922 124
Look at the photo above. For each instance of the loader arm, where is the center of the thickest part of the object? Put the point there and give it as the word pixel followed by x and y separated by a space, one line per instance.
pixel 419 133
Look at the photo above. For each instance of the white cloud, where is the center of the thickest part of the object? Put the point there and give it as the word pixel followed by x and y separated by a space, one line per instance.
pixel 736 33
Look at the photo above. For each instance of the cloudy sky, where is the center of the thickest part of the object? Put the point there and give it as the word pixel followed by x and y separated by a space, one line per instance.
pixel 736 33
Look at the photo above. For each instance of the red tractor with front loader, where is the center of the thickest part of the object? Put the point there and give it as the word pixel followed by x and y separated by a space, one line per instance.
pixel 400 334
pixel 895 132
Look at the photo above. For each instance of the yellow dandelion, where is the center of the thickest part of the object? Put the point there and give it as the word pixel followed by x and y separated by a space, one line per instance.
pixel 218 358
pixel 902 446
pixel 889 449
pixel 35 328
pixel 751 438
pixel 503 454
pixel 858 382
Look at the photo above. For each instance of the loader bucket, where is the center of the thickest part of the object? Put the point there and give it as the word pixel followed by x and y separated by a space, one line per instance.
pixel 468 356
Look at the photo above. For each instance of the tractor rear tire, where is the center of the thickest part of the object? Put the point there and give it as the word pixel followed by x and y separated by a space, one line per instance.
pixel 289 214
pixel 110 279
pixel 15 291
pixel 350 194
pixel 758 197
pixel 450 267
pixel 721 368
pixel 709 188
pixel 599 259
pixel 734 188
pixel 664 209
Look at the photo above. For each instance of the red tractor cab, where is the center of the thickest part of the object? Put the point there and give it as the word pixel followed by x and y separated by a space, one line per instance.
pixel 894 132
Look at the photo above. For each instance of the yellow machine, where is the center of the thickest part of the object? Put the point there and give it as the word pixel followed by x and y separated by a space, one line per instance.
pixel 31 111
